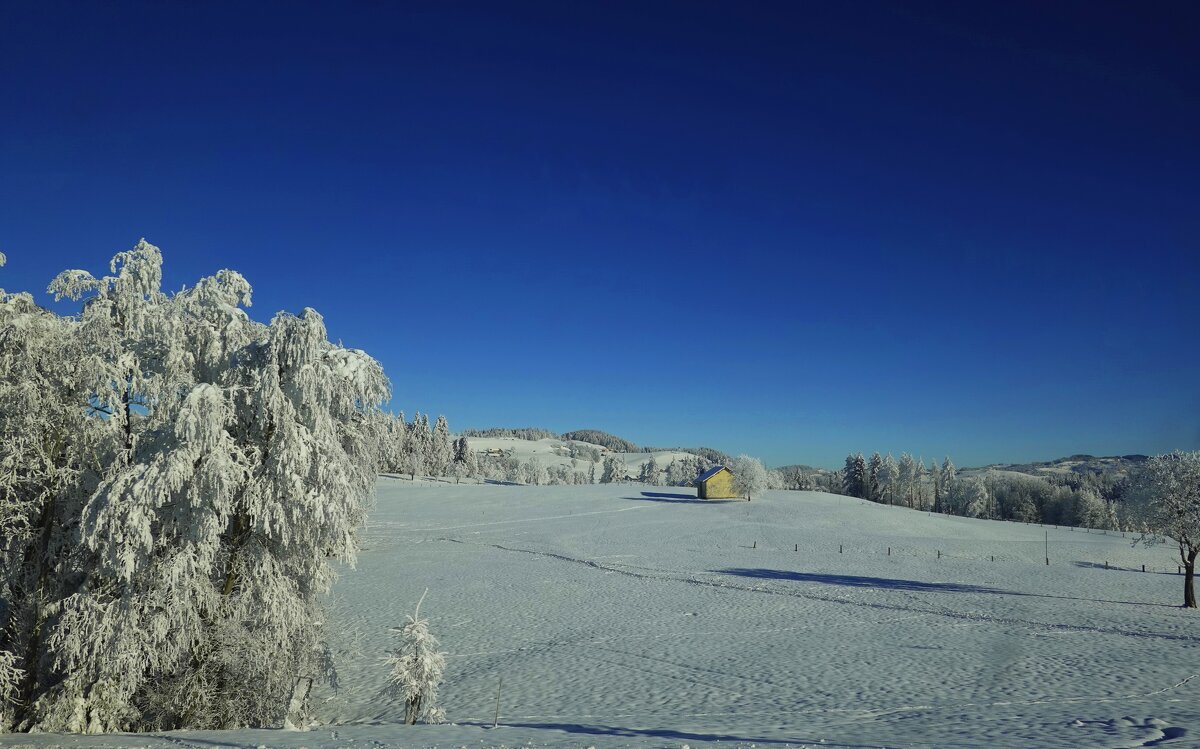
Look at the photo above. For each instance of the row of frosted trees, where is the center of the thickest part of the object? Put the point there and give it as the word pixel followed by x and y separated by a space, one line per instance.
pixel 176 482
pixel 1092 502
pixel 1159 500
pixel 415 448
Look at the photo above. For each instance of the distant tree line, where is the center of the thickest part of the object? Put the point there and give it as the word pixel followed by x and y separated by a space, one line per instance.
pixel 527 433
pixel 604 439
pixel 595 437
pixel 1091 500
pixel 416 448
pixel 712 455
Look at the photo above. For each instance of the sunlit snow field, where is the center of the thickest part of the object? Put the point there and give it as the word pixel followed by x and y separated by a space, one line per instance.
pixel 632 616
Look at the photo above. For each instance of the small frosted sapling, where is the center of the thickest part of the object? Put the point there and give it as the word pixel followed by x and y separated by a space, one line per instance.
pixel 417 667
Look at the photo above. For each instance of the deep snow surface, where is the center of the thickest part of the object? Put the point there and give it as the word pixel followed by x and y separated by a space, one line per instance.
pixel 625 616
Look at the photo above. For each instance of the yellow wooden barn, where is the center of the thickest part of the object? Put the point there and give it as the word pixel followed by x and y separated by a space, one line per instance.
pixel 715 483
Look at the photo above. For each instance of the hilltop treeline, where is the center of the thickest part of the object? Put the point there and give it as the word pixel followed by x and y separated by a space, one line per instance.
pixel 712 455
pixel 603 439
pixel 596 437
pixel 1091 500
pixel 527 433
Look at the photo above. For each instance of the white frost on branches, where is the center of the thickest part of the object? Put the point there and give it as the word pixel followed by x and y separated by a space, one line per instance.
pixel 749 476
pixel 1165 503
pixel 176 481
pixel 417 667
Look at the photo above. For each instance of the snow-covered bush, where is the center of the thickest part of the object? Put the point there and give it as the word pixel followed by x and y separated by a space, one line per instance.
pixel 417 667
pixel 188 478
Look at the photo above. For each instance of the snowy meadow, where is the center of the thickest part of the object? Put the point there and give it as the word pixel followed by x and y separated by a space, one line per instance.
pixel 616 616
pixel 636 616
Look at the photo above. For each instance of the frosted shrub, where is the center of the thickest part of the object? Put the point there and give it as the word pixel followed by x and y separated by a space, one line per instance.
pixel 417 668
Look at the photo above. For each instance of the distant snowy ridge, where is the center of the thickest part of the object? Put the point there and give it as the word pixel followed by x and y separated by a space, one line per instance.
pixel 594 437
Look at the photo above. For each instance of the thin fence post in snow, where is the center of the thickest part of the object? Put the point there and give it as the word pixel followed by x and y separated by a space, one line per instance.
pixel 1143 568
pixel 839 548
pixel 496 722
pixel 889 551
pixel 1048 548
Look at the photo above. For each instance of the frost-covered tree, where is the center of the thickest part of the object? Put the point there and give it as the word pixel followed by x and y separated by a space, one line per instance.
pixel 219 467
pixel 874 465
pixel 854 476
pixel 975 500
pixel 441 448
pixel 919 473
pixel 677 473
pixel 614 470
pixel 889 479
pixel 1165 502
pixel 749 476
pixel 417 667
pixel 387 426
pixel 46 473
pixel 650 473
pixel 538 474
pixel 463 464
pixel 420 438
pixel 906 479
pixel 1090 510
pixel 946 476
pixel 416 445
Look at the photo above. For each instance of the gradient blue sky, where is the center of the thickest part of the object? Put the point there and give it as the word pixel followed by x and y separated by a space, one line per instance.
pixel 788 229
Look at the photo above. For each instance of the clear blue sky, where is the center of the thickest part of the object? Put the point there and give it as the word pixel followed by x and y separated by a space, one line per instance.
pixel 789 229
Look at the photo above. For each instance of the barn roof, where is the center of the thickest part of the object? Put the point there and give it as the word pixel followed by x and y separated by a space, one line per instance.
pixel 711 472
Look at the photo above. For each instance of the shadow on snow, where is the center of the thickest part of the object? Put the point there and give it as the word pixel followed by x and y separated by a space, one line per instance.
pixel 1099 566
pixel 912 586
pixel 677 498
pixel 673 735
pixel 856 581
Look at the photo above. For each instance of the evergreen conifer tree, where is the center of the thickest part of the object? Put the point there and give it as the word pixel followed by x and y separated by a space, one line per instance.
pixel 854 476
pixel 873 468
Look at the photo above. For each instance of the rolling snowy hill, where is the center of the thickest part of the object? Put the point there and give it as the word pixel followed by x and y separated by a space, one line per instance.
pixel 556 452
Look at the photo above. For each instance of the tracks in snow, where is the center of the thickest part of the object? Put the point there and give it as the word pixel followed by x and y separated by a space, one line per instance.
pixel 712 581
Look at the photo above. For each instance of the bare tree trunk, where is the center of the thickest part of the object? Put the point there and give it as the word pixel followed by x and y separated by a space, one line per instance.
pixel 412 710
pixel 297 713
pixel 1189 577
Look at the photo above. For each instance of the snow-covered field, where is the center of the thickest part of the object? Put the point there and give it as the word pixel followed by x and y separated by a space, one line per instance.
pixel 625 616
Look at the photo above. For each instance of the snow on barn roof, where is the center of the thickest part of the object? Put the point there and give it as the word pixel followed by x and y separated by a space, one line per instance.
pixel 711 472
